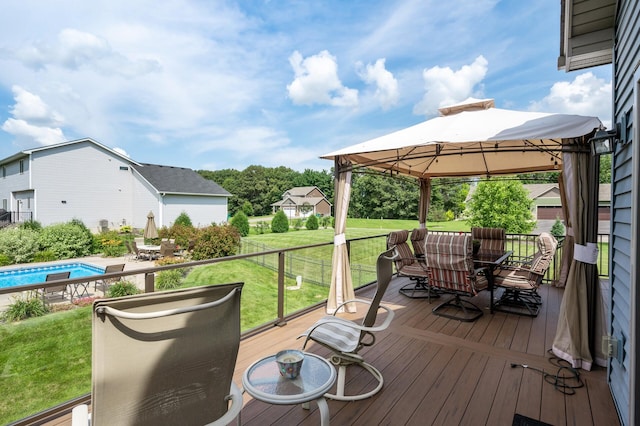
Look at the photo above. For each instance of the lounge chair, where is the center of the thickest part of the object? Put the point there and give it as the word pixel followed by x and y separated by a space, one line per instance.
pixel 165 358
pixel 106 282
pixel 408 265
pixel 345 338
pixel 450 264
pixel 521 282
pixel 61 289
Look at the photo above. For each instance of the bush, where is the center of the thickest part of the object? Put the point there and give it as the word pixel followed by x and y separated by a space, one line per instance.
pixel 183 219
pixel 23 308
pixel 34 225
pixel 167 280
pixel 312 223
pixel 4 260
pixel 66 240
pixel 280 223
pixel 44 256
pixel 557 230
pixel 241 222
pixel 326 221
pixel 216 241
pixel 247 208
pixel 182 234
pixel 262 227
pixel 110 244
pixel 19 245
pixel 122 288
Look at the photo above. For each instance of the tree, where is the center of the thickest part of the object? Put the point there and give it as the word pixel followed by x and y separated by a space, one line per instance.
pixel 502 204
pixel 241 222
pixel 280 223
pixel 312 223
pixel 183 219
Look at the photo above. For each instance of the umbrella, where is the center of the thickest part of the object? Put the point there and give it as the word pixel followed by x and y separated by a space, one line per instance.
pixel 150 230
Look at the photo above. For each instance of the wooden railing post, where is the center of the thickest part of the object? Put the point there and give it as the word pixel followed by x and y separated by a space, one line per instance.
pixel 149 282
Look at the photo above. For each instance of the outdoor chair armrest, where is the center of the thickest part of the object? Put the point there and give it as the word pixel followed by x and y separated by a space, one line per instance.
pixel 382 326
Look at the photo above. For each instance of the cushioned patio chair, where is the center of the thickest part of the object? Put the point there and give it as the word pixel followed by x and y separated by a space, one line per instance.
pixel 105 283
pixel 408 265
pixel 61 290
pixel 521 282
pixel 346 338
pixel 491 240
pixel 449 261
pixel 165 358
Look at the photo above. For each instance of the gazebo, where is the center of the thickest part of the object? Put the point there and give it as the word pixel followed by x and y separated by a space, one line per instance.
pixel 475 139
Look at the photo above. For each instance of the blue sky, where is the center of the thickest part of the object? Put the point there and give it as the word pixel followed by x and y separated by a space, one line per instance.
pixel 212 84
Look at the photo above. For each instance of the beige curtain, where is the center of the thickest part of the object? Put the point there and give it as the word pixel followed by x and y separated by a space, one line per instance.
pixel 573 340
pixel 341 288
pixel 567 244
pixel 425 198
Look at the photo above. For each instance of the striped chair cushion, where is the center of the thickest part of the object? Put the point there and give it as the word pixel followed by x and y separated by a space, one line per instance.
pixel 491 239
pixel 418 236
pixel 398 241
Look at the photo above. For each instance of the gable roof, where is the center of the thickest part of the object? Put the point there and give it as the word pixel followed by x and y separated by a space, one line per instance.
pixel 178 180
pixel 302 191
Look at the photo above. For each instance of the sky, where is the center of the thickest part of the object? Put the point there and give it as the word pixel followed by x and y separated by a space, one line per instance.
pixel 213 85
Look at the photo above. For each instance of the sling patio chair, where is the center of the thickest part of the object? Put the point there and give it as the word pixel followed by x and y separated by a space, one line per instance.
pixel 165 358
pixel 408 265
pixel 106 282
pixel 61 289
pixel 521 282
pixel 449 261
pixel 346 338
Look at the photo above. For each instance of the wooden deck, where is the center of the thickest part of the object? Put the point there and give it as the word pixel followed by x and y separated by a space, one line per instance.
pixel 442 372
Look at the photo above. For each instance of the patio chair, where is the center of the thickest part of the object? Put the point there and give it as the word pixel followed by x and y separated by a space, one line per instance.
pixel 165 358
pixel 449 261
pixel 167 249
pixel 491 239
pixel 346 338
pixel 61 289
pixel 138 254
pixel 417 237
pixel 105 283
pixel 521 282
pixel 408 265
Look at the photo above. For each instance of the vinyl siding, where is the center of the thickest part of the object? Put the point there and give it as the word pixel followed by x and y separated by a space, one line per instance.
pixel 14 181
pixel 202 210
pixel 81 181
pixel 624 241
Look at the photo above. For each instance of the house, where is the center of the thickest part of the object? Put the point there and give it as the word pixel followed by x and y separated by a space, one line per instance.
pixel 598 32
pixel 303 201
pixel 86 180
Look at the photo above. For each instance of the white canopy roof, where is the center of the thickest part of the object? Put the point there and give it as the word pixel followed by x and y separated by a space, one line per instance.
pixel 488 141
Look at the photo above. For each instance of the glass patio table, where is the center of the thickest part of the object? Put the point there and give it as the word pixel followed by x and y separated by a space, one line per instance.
pixel 262 380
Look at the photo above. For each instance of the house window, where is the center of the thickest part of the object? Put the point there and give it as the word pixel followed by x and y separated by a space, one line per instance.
pixel 4 172
pixel 124 168
pixel 21 166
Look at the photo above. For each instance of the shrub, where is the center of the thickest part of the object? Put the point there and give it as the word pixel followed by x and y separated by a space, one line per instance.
pixel 19 245
pixel 557 230
pixel 280 223
pixel 326 221
pixel 183 219
pixel 23 308
pixel 67 240
pixel 241 222
pixel 44 256
pixel 297 224
pixel 182 234
pixel 110 244
pixel 312 223
pixel 216 241
pixel 4 260
pixel 166 280
pixel 262 227
pixel 122 288
pixel 34 225
pixel 126 229
pixel 247 208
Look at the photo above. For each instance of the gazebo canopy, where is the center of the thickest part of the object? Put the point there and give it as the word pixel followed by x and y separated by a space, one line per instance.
pixel 474 139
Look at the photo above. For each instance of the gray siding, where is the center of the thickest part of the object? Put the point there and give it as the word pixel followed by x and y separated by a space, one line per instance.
pixel 81 181
pixel 624 241
pixel 203 211
pixel 14 181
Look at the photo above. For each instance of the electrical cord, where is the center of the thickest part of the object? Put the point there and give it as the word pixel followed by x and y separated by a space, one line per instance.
pixel 566 379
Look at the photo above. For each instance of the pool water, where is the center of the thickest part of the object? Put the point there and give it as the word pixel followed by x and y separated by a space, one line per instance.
pixel 23 276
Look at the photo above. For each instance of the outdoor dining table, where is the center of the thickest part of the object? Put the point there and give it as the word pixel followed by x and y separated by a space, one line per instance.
pixel 152 251
pixel 490 261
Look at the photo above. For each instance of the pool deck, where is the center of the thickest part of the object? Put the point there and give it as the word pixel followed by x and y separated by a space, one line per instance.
pixel 5 299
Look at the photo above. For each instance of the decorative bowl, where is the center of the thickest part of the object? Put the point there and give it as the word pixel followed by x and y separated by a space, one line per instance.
pixel 290 362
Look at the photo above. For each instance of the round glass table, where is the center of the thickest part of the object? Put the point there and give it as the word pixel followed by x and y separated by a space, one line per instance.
pixel 262 380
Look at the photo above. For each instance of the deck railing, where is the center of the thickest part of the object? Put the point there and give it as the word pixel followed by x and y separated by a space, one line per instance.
pixel 311 262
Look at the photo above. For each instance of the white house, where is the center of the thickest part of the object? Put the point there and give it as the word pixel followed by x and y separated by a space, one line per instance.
pixel 86 180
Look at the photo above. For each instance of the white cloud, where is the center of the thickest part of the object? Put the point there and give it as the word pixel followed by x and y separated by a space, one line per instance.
pixel 74 50
pixel 317 82
pixel 585 95
pixel 33 120
pixel 445 86
pixel 386 84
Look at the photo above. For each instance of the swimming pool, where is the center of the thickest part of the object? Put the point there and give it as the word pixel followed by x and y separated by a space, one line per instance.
pixel 31 275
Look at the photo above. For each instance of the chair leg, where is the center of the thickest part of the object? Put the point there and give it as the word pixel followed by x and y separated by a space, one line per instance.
pixel 470 312
pixel 419 290
pixel 515 301
pixel 341 364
